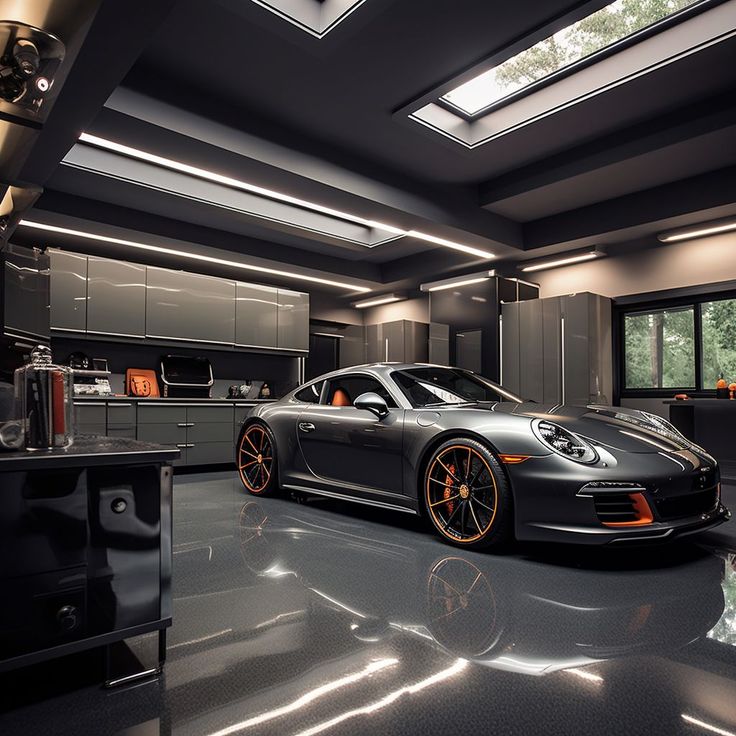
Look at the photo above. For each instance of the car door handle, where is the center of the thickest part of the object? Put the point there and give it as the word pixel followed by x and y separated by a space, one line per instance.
pixel 307 426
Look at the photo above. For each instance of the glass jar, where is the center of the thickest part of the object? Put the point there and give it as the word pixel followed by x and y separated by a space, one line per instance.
pixel 43 393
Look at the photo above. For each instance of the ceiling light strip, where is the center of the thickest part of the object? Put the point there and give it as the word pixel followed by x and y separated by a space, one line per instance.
pixel 561 262
pixel 388 299
pixel 228 181
pixel 699 232
pixel 465 280
pixel 192 256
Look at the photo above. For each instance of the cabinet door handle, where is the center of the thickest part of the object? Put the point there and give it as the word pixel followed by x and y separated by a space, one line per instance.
pixel 307 426
pixel 185 444
pixel 117 406
pixel 185 424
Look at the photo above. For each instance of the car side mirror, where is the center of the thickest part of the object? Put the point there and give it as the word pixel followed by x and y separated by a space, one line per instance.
pixel 373 403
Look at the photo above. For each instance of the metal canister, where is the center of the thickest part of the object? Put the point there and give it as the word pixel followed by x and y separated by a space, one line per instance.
pixel 43 392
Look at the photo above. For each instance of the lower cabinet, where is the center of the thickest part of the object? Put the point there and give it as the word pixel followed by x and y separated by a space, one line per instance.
pixel 204 434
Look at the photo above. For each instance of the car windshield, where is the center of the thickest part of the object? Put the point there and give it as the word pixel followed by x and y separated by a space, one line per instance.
pixel 446 386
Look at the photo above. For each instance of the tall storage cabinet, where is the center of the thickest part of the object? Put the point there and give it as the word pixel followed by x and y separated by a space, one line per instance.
pixel 402 341
pixel 558 350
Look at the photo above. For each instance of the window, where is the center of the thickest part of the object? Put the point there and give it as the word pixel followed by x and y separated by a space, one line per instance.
pixel 678 345
pixel 442 386
pixel 343 390
pixel 310 394
pixel 718 320
pixel 591 34
pixel 659 349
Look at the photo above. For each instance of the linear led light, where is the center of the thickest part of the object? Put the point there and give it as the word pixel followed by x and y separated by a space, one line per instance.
pixel 699 231
pixel 706 726
pixel 466 280
pixel 245 186
pixel 561 262
pixel 192 256
pixel 387 299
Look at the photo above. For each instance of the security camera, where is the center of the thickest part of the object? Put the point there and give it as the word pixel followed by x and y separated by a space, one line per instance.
pixel 29 58
pixel 26 57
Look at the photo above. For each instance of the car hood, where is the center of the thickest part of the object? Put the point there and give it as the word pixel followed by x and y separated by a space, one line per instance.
pixel 628 430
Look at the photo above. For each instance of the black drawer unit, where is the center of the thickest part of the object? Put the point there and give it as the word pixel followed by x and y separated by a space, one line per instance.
pixel 85 548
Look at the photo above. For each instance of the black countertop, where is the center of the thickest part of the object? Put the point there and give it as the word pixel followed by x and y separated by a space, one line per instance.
pixel 161 399
pixel 87 451
pixel 702 402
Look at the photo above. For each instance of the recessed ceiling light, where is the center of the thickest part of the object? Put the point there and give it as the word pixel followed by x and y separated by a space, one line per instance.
pixel 562 261
pixel 466 280
pixel 193 256
pixel 387 299
pixel 245 186
pixel 697 231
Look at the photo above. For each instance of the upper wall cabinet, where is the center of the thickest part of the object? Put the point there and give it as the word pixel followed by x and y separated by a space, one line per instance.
pixel 256 316
pixel 293 320
pixel 190 307
pixel 116 298
pixel 68 291
pixel 113 298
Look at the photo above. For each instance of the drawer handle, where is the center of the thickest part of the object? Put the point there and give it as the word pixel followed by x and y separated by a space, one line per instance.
pixel 184 444
pixel 185 424
pixel 118 406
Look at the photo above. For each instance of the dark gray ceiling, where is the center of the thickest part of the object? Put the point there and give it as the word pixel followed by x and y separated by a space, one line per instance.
pixel 317 118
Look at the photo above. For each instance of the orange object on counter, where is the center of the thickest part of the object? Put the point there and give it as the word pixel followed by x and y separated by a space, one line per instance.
pixel 142 383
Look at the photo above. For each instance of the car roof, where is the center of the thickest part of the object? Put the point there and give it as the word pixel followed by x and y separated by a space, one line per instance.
pixel 380 369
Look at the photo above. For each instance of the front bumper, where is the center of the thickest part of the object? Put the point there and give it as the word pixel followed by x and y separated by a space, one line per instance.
pixel 549 504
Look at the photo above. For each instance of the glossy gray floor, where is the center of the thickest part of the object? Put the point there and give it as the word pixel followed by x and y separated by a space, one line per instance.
pixel 302 619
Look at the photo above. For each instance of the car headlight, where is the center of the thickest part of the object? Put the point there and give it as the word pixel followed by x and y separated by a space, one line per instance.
pixel 565 443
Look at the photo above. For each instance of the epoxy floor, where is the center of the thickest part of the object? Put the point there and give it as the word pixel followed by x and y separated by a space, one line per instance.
pixel 330 618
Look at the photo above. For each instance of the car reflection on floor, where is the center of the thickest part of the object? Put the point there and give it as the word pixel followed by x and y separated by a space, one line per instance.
pixel 327 618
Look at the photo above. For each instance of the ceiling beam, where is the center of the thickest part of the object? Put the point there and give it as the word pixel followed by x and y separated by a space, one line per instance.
pixel 705 117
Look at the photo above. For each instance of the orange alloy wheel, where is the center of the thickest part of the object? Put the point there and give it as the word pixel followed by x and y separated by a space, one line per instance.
pixel 255 459
pixel 461 493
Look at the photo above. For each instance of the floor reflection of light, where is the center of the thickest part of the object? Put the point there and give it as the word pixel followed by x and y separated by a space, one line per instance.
pixel 583 674
pixel 201 639
pixel 457 667
pixel 707 726
pixel 308 697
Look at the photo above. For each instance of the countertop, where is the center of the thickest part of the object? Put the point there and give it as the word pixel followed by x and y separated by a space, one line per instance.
pixel 173 400
pixel 702 402
pixel 87 451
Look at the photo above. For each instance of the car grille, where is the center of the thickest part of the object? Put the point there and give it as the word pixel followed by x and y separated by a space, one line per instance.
pixel 691 504
pixel 615 508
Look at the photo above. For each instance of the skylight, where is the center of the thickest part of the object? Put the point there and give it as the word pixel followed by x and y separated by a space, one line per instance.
pixel 608 26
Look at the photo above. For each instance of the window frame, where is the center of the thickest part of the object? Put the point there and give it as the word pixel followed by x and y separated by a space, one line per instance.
pixel 667 22
pixel 694 299
pixel 356 374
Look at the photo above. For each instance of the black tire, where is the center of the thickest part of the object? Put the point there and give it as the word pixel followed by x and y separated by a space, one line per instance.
pixel 467 496
pixel 255 457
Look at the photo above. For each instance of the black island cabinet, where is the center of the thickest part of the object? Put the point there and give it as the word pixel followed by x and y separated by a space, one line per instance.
pixel 86 551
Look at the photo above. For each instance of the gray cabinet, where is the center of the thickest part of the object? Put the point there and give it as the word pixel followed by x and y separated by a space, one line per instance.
pixel 24 293
pixel 439 343
pixel 256 316
pixel 122 419
pixel 90 417
pixel 558 350
pixel 191 307
pixel 293 320
pixel 68 291
pixel 401 341
pixel 116 297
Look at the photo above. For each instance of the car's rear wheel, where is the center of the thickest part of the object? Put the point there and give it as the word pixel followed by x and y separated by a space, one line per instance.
pixel 467 496
pixel 256 458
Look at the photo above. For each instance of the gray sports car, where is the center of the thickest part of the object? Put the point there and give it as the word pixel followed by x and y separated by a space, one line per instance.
pixel 483 465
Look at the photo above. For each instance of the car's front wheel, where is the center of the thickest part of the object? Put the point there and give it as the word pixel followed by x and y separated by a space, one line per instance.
pixel 467 496
pixel 256 459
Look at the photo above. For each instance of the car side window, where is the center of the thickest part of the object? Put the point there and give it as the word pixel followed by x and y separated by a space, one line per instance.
pixel 310 394
pixel 343 390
